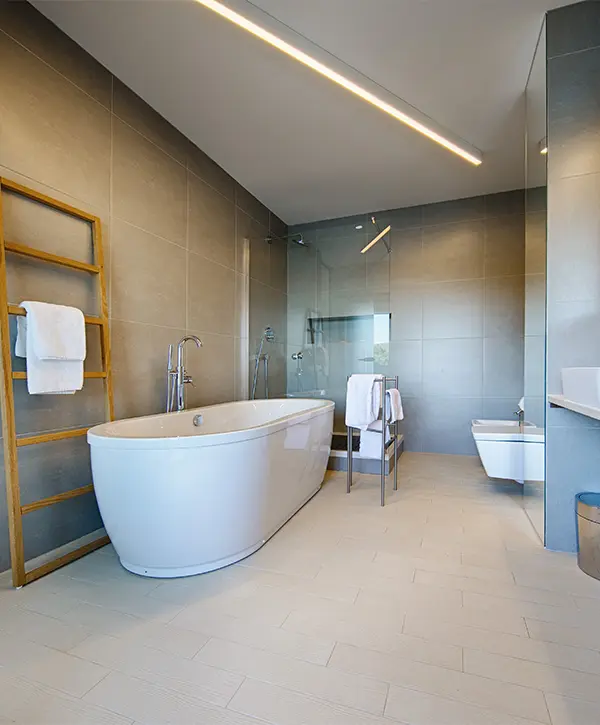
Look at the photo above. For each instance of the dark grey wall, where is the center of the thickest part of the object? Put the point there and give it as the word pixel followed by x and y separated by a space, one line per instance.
pixel 174 224
pixel 573 302
pixel 454 285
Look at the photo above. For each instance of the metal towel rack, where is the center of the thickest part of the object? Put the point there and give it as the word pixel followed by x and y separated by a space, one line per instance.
pixel 385 382
pixel 16 510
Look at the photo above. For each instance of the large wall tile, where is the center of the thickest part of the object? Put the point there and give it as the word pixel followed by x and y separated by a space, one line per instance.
pixel 260 249
pixel 50 130
pixel 278 265
pixel 132 109
pixel 573 114
pixel 212 368
pixel 406 305
pixel 406 259
pixel 143 263
pixel 211 230
pixel 504 306
pixel 139 359
pixel 573 28
pixel 573 249
pixel 210 172
pixel 251 205
pixel 453 309
pixel 535 304
pixel 505 246
pixel 446 424
pixel 453 368
pixel 149 187
pixel 453 251
pixel 458 210
pixel 505 203
pixel 268 308
pixel 503 367
pixel 535 247
pixel 211 296
pixel 406 361
pixel 34 31
pixel 535 358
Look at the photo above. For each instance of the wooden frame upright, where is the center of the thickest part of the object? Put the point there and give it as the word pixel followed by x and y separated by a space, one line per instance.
pixel 16 511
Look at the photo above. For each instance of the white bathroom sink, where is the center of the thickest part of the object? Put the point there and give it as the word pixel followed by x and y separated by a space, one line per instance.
pixel 582 385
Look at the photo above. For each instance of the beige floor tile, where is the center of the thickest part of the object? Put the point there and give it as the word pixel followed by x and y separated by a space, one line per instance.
pixel 288 642
pixel 283 707
pixel 154 704
pixel 373 634
pixel 568 615
pixel 47 666
pixel 177 673
pixel 524 648
pixel 586 635
pixel 421 708
pixel 157 635
pixel 472 689
pixel 33 704
pixel 567 711
pixel 556 679
pixel 39 628
pixel 350 690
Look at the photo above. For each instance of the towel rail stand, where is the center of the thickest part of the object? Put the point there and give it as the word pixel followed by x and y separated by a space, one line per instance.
pixel 385 383
pixel 16 511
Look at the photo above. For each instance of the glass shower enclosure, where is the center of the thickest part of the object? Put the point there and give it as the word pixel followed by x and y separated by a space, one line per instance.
pixel 338 308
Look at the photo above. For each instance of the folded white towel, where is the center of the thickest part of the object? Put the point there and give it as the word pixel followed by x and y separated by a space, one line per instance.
pixel 370 442
pixel 394 405
pixel 52 339
pixel 363 400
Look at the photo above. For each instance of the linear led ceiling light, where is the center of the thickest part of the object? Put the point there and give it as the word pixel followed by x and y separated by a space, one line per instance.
pixel 373 242
pixel 338 78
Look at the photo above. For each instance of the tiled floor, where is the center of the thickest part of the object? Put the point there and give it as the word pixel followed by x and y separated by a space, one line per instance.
pixel 440 609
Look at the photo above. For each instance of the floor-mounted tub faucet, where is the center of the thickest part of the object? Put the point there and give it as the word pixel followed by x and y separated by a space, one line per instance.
pixel 177 377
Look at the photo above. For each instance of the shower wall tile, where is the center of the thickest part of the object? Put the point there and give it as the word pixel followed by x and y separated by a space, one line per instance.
pixel 453 309
pixel 453 368
pixel 573 28
pixel 504 245
pixel 535 304
pixel 455 275
pixel 174 261
pixel 535 250
pixel 453 251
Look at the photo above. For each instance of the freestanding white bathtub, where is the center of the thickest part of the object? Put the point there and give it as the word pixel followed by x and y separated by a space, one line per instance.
pixel 179 499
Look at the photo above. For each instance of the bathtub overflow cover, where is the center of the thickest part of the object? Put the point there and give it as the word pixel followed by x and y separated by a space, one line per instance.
pixel 198 420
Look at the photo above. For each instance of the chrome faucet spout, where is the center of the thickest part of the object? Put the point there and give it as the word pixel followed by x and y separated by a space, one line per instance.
pixel 177 377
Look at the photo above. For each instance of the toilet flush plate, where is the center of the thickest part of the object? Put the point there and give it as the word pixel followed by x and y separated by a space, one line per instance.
pixel 582 385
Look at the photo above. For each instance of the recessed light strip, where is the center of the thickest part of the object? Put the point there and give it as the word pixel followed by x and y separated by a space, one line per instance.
pixel 336 77
pixel 377 238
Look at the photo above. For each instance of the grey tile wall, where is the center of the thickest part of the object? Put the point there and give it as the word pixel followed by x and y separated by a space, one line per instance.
pixel 454 285
pixel 573 66
pixel 174 224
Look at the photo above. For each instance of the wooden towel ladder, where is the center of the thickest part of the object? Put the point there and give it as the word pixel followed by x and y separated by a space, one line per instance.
pixel 16 511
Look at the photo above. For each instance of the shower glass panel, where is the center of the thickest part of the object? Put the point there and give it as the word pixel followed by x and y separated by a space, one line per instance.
pixel 535 267
pixel 338 309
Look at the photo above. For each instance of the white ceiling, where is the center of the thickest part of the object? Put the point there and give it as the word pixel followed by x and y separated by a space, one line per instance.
pixel 304 147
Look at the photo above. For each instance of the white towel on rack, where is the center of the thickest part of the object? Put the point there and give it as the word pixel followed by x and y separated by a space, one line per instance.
pixel 363 400
pixel 370 441
pixel 52 339
pixel 394 405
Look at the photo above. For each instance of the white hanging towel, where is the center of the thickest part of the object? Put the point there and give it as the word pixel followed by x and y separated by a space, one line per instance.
pixel 52 339
pixel 394 405
pixel 370 441
pixel 363 400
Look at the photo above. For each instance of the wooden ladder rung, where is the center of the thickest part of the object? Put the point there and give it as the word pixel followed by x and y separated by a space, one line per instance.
pixel 59 435
pixel 31 576
pixel 21 375
pixel 20 311
pixel 51 500
pixel 25 251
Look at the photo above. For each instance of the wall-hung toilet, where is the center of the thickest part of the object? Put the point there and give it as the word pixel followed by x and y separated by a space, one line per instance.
pixel 510 451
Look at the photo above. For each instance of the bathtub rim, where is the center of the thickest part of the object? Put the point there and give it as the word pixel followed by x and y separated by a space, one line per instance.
pixel 96 437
